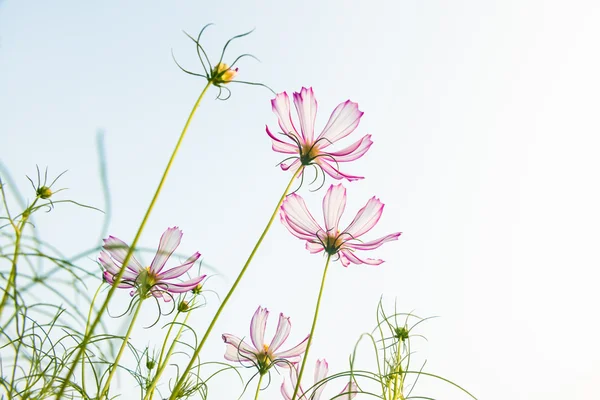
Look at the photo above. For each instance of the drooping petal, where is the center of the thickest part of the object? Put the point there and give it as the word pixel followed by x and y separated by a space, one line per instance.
pixel 306 106
pixel 314 247
pixel 351 389
pixel 169 241
pixel 284 327
pixel 297 216
pixel 343 259
pixel 334 172
pixel 109 278
pixel 353 258
pixel 321 370
pixel 294 352
pixel 342 122
pixel 118 250
pixel 334 204
pixel 176 272
pixel 280 146
pixel 293 166
pixel 354 151
pixel 366 218
pixel 113 269
pixel 182 287
pixel 281 107
pixel 237 350
pixel 258 326
pixel 373 244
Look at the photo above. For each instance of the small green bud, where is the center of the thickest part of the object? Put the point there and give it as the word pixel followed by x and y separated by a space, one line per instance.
pixel 44 192
pixel 401 333
pixel 183 306
pixel 150 364
pixel 197 289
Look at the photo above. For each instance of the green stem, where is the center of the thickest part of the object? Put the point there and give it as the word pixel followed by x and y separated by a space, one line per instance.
pixel 117 278
pixel 121 350
pixel 87 323
pixel 312 329
pixel 181 380
pixel 162 365
pixel 258 386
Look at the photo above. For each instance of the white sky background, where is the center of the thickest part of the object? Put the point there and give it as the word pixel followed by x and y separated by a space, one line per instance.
pixel 484 118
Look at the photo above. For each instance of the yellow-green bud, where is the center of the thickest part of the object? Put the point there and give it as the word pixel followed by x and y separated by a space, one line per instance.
pixel 150 364
pixel 222 74
pixel 44 192
pixel 183 306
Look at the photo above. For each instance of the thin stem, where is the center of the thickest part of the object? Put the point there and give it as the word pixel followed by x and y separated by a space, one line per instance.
pixel 117 278
pixel 87 323
pixel 235 284
pixel 312 329
pixel 113 369
pixel 260 378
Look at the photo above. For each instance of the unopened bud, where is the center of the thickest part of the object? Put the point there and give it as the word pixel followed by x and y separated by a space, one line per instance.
pixel 183 306
pixel 44 192
pixel 222 74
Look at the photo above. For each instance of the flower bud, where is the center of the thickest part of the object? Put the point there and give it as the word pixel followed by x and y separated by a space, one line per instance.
pixel 197 289
pixel 150 364
pixel 222 74
pixel 183 306
pixel 401 333
pixel 44 192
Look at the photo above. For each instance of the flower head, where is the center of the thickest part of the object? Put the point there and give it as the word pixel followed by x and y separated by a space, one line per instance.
pixel 152 280
pixel 262 355
pixel 298 220
pixel 321 370
pixel 301 145
pixel 222 74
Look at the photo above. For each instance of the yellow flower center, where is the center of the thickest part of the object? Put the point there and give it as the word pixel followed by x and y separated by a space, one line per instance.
pixel 308 153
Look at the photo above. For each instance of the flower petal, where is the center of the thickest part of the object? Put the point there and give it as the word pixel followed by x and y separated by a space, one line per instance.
pixel 366 218
pixel 314 247
pixel 109 278
pixel 182 287
pixel 351 257
pixel 113 269
pixel 374 243
pixel 293 166
pixel 281 107
pixel 321 370
pixel 354 151
pixel 297 216
pixel 306 106
pixel 118 250
pixel 351 389
pixel 169 241
pixel 284 327
pixel 342 122
pixel 334 204
pixel 334 172
pixel 258 326
pixel 300 234
pixel 280 146
pixel 237 350
pixel 294 352
pixel 176 272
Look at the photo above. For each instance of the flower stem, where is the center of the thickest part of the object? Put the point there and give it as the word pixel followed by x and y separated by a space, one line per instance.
pixel 87 323
pixel 233 287
pixel 312 329
pixel 258 386
pixel 117 278
pixel 121 350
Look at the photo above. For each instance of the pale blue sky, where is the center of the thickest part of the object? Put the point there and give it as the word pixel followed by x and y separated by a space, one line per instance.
pixel 484 118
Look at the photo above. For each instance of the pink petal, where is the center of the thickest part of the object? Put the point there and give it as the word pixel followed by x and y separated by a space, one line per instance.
pixel 314 247
pixel 294 352
pixel 366 218
pixel 281 146
pixel 109 278
pixel 334 172
pixel 351 388
pixel 292 166
pixel 306 106
pixel 297 216
pixel 182 287
pixel 321 370
pixel 258 326
pixel 350 256
pixel 237 350
pixel 343 259
pixel 334 204
pixel 300 234
pixel 374 243
pixel 176 272
pixel 342 122
pixel 354 151
pixel 112 268
pixel 169 241
pixel 118 250
pixel 284 327
pixel 281 107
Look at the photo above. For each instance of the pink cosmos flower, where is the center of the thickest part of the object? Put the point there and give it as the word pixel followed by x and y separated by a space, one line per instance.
pixel 321 370
pixel 304 148
pixel 152 280
pixel 260 354
pixel 298 220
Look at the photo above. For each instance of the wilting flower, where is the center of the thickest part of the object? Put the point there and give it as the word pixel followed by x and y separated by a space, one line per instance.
pixel 296 217
pixel 305 149
pixel 152 280
pixel 321 370
pixel 262 355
